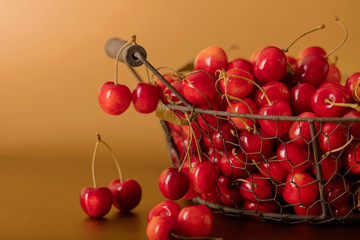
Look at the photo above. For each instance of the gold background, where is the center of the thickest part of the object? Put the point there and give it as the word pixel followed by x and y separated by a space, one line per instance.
pixel 52 62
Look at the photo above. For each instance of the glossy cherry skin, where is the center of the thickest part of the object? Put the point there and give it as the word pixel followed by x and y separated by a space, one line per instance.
pixel 211 59
pixel 324 109
pixel 312 210
pixel 208 122
pixel 234 165
pixel 241 63
pixel 352 84
pixel 300 132
pixel 126 195
pixel 262 206
pixel 165 208
pixel 342 210
pixel 257 145
pixel 160 228
pixel 300 97
pixel 330 167
pixel 229 194
pixel 145 97
pixel 312 68
pixel 244 106
pixel 351 158
pixel 333 135
pixel 223 138
pixel 114 99
pixel 96 202
pixel 273 170
pixel 294 158
pixel 301 188
pixel 276 108
pixel 334 74
pixel 173 184
pixel 354 126
pixel 169 78
pixel 199 88
pixel 238 83
pixel 311 50
pixel 195 221
pixel 270 65
pixel 274 90
pixel 337 191
pixel 170 97
pixel 256 187
pixel 204 176
pixel 336 85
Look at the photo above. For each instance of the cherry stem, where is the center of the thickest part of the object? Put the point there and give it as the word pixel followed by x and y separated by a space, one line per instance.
pixel 236 156
pixel 99 140
pixel 132 41
pixel 302 35
pixel 246 181
pixel 354 93
pixel 93 163
pixel 176 236
pixel 350 105
pixel 191 131
pixel 339 148
pixel 343 41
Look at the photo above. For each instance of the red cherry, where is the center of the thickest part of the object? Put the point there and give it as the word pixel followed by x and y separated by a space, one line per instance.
pixel 244 106
pixel 145 97
pixel 337 191
pixel 208 122
pixel 195 221
pixel 332 136
pixel 241 63
pixel 294 158
pixel 274 90
pixel 256 187
pixel 312 68
pixel 223 138
pixel 169 78
pixel 126 194
pixel 211 59
pixel 262 206
pixel 273 170
pixel 96 202
pixel 114 99
pixel 311 50
pixel 300 97
pixel 237 83
pixel 229 194
pixel 300 132
pixel 204 176
pixel 343 89
pixel 270 65
pixel 342 210
pixel 212 197
pixel 352 84
pixel 161 227
pixel 353 126
pixel 351 158
pixel 301 188
pixel 322 108
pixel 234 165
pixel 173 184
pixel 256 145
pixel 165 208
pixel 330 167
pixel 276 108
pixel 334 74
pixel 312 210
pixel 199 88
pixel 169 96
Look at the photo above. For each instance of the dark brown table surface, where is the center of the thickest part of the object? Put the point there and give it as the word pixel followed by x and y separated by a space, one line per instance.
pixel 39 200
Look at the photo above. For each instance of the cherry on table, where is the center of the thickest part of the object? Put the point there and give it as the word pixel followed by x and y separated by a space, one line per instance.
pixel 161 227
pixel 126 194
pixel 96 202
pixel 165 208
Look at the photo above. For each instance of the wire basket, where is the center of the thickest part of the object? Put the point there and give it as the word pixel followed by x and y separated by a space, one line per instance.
pixel 314 184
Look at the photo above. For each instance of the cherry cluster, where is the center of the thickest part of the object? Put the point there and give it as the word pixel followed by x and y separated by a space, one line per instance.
pixel 167 220
pixel 255 160
pixel 123 194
